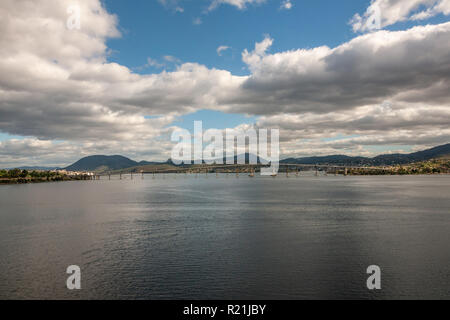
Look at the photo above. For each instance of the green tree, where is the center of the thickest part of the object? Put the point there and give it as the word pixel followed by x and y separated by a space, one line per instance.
pixel 24 174
pixel 15 173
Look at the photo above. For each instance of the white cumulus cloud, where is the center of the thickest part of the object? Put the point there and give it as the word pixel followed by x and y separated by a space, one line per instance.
pixel 240 4
pixel 58 89
pixel 286 5
pixel 221 49
pixel 393 11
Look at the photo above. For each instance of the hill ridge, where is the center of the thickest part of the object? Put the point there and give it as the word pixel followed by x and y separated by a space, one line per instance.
pixel 118 162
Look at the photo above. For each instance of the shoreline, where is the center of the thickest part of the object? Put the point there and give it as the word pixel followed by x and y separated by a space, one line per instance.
pixel 14 181
pixel 21 181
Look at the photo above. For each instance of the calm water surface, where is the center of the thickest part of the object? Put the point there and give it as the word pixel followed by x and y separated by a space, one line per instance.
pixel 227 238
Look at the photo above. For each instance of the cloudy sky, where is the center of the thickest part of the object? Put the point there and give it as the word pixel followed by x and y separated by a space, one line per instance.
pixel 332 78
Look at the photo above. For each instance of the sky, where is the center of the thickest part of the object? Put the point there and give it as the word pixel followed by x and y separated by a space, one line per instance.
pixel 117 77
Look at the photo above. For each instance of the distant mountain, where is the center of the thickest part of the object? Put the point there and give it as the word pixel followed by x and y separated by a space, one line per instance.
pixel 102 163
pixel 150 163
pixel 335 159
pixel 106 163
pixel 111 163
pixel 436 152
pixel 381 160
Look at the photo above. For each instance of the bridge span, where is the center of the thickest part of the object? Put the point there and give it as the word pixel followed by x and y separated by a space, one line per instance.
pixel 284 168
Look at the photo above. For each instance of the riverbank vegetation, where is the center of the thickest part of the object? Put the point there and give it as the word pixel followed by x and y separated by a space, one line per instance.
pixel 435 166
pixel 17 176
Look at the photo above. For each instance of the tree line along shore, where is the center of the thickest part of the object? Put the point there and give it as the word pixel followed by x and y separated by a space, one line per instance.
pixel 435 166
pixel 18 176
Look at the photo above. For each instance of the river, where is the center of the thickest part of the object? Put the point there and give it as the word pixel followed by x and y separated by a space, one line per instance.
pixel 181 237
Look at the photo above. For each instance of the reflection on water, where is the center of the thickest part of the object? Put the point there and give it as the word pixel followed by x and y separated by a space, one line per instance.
pixel 227 238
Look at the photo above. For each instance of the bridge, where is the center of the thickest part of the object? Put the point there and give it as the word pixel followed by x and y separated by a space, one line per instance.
pixel 283 168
